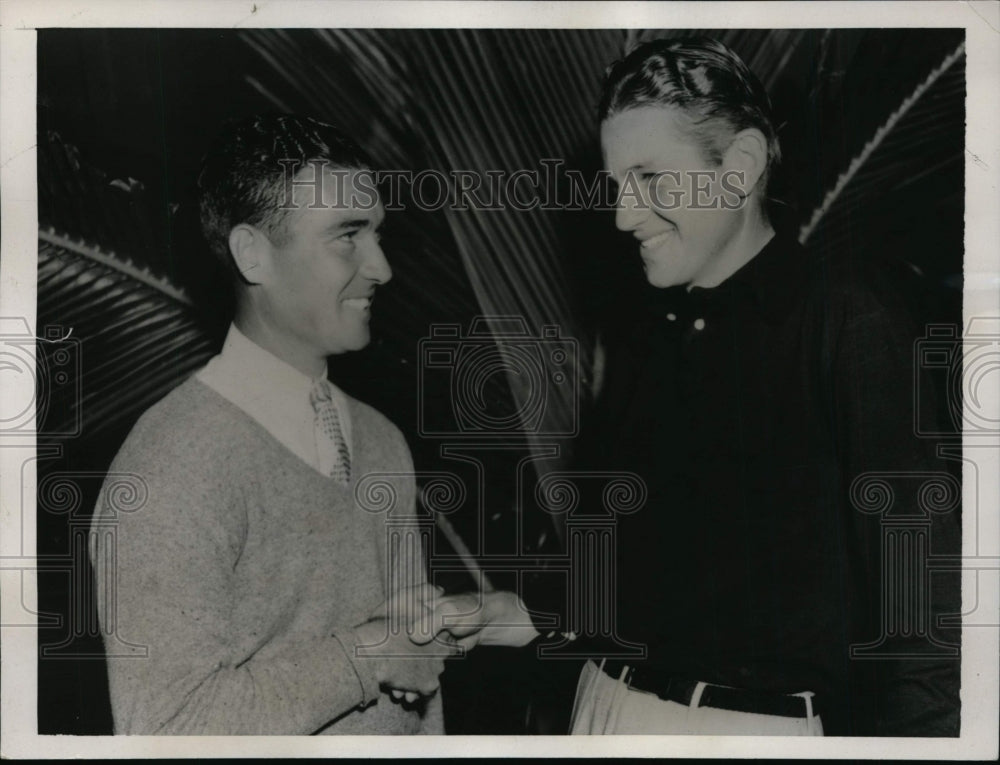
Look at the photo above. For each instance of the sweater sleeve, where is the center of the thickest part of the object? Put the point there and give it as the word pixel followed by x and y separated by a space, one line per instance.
pixel 173 562
pixel 873 368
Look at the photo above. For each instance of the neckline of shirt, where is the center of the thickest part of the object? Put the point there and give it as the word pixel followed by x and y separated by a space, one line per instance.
pixel 772 279
pixel 267 437
pixel 273 393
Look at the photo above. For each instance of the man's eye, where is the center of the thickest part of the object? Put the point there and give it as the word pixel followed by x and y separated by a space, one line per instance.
pixel 348 236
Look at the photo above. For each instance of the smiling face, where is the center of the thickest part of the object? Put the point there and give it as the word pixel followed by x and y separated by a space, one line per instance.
pixel 310 292
pixel 664 178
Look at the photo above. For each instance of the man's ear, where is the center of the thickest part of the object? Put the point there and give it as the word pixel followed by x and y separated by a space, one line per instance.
pixel 249 248
pixel 747 156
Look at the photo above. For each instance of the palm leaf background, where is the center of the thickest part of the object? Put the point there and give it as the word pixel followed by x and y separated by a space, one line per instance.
pixel 926 125
pixel 871 121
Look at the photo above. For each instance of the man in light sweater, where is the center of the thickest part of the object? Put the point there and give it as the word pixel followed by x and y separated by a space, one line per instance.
pixel 252 580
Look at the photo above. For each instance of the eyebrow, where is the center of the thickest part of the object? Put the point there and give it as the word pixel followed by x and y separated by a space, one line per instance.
pixel 354 223
pixel 626 171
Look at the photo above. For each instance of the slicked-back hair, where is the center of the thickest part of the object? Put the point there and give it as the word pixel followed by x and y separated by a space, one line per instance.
pixel 242 177
pixel 718 94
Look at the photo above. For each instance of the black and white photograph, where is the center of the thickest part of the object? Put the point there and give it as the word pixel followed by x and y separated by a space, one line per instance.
pixel 518 378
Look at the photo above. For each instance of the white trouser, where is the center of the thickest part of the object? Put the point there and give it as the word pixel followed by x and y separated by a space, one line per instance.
pixel 605 706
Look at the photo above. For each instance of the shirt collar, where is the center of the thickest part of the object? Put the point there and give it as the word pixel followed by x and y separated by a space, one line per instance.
pixel 260 373
pixel 773 279
pixel 272 392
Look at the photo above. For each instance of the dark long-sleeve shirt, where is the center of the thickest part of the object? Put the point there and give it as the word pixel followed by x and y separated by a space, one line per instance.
pixel 749 410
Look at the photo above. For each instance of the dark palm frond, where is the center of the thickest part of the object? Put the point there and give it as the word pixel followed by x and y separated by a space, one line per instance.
pixel 117 213
pixel 136 331
pixel 141 274
pixel 903 150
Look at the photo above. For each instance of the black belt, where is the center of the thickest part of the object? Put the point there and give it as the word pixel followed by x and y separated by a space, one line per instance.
pixel 716 696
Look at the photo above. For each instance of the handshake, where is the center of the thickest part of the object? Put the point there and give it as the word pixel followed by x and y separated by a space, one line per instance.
pixel 410 635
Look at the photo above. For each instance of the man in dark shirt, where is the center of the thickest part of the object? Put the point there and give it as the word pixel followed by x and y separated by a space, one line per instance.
pixel 768 409
pixel 750 409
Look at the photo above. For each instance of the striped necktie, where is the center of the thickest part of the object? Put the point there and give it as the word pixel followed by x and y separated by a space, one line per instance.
pixel 334 456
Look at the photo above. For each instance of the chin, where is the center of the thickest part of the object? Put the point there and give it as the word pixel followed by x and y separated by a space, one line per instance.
pixel 662 284
pixel 662 280
pixel 359 341
pixel 347 344
pixel 663 273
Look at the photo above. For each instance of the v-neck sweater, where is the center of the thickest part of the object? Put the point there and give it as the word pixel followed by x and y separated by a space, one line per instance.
pixel 239 571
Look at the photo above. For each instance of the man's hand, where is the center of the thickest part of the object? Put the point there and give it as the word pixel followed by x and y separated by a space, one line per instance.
pixel 399 637
pixel 411 610
pixel 487 618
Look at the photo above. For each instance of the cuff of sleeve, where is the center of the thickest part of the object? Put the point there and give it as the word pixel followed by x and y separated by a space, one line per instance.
pixel 365 671
pixel 553 637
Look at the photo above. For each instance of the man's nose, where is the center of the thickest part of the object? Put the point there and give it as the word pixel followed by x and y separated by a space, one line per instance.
pixel 375 266
pixel 631 210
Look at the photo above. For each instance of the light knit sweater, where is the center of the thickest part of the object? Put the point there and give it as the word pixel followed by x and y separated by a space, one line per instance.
pixel 243 573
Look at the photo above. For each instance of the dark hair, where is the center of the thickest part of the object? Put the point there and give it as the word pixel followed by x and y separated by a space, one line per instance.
pixel 709 82
pixel 242 177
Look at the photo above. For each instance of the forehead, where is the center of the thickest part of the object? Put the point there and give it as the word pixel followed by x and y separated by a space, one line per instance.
pixel 318 186
pixel 647 136
pixel 324 197
pixel 337 200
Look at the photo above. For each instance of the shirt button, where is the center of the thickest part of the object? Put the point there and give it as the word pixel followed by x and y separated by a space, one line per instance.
pixel 699 324
pixel 671 317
